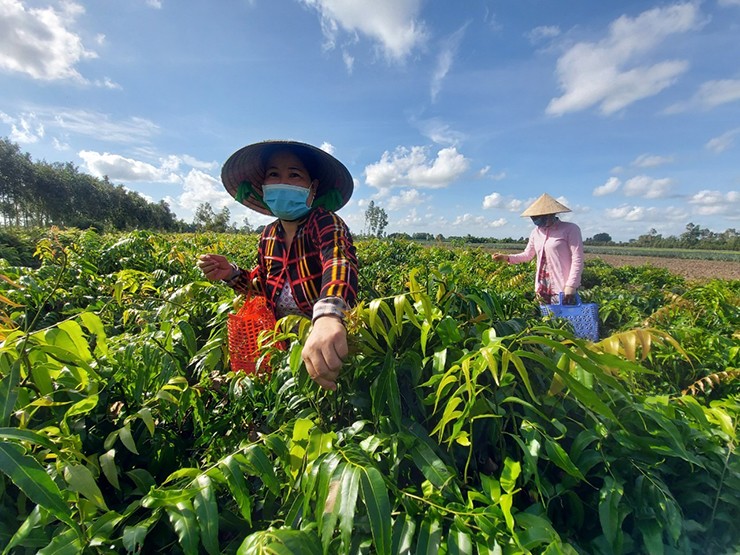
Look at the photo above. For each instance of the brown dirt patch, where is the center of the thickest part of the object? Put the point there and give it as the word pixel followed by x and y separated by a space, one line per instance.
pixel 691 269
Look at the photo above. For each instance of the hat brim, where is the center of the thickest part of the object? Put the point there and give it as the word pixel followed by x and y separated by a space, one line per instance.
pixel 545 205
pixel 247 165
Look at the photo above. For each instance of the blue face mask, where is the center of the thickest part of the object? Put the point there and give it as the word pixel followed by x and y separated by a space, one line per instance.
pixel 541 221
pixel 287 202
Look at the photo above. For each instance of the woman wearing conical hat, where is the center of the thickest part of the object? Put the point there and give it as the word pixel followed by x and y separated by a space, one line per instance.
pixel 307 263
pixel 559 249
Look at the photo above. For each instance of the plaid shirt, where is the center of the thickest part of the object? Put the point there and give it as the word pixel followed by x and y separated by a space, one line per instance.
pixel 321 266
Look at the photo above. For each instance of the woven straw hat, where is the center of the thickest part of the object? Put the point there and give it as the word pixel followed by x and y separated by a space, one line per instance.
pixel 545 205
pixel 243 174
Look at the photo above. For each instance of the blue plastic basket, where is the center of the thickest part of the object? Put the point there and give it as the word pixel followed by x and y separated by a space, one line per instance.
pixel 584 317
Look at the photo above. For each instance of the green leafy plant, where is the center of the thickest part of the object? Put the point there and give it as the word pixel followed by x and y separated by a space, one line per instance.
pixel 463 422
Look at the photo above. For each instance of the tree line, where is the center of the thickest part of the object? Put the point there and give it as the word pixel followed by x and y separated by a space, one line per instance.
pixel 40 194
pixel 695 237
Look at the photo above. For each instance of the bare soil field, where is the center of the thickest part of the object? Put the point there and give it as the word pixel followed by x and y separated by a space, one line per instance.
pixel 695 270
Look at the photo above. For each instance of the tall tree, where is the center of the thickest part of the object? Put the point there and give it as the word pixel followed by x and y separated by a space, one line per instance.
pixel 204 216
pixel 221 221
pixel 376 219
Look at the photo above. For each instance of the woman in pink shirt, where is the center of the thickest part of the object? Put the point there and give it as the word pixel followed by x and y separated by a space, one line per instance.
pixel 559 250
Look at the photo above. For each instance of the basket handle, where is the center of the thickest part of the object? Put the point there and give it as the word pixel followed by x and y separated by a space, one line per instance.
pixel 578 299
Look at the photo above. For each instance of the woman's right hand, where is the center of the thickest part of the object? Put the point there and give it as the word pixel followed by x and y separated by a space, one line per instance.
pixel 215 267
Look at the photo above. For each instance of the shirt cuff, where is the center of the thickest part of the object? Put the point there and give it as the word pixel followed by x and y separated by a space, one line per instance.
pixel 329 306
pixel 235 274
pixel 239 281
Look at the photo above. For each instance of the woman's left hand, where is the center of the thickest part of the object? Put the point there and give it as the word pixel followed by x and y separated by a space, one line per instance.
pixel 569 295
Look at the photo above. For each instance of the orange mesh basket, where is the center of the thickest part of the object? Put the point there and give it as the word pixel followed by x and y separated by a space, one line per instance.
pixel 244 329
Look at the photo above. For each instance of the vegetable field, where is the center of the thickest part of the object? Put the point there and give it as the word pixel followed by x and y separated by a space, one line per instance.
pixel 692 269
pixel 464 422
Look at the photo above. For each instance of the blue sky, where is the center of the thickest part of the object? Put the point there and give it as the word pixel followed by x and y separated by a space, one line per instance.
pixel 451 116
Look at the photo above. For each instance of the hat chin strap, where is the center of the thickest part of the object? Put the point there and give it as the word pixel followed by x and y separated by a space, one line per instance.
pixel 329 200
pixel 246 191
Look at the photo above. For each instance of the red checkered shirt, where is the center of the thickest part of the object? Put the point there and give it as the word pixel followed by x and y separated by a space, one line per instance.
pixel 321 266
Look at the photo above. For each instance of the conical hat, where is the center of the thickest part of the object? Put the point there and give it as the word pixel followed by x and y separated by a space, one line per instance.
pixel 244 172
pixel 545 205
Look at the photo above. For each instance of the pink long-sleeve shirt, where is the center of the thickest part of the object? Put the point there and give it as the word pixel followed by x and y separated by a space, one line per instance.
pixel 563 248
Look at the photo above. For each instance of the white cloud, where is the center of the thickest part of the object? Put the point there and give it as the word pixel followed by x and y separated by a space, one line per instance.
pixel 515 205
pixel 100 126
pixel 328 148
pixel 611 185
pixel 39 42
pixel 710 95
pixel 672 214
pixel 484 172
pixel 97 125
pixel 59 145
pixel 467 219
pixel 349 61
pixel 729 3
pixel 711 203
pixel 663 220
pixel 106 83
pixel 118 168
pixel 199 164
pixel 424 222
pixel 614 72
pixel 544 32
pixel 477 222
pixel 440 132
pixel 409 197
pixel 490 19
pixel 715 93
pixel 724 141
pixel 411 168
pixel 26 131
pixel 627 213
pixel 412 219
pixel 444 60
pixel 647 187
pixel 392 23
pixel 651 161
pixel 494 200
pixel 199 187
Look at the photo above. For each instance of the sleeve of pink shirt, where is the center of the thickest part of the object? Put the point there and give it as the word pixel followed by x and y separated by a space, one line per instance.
pixel 528 253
